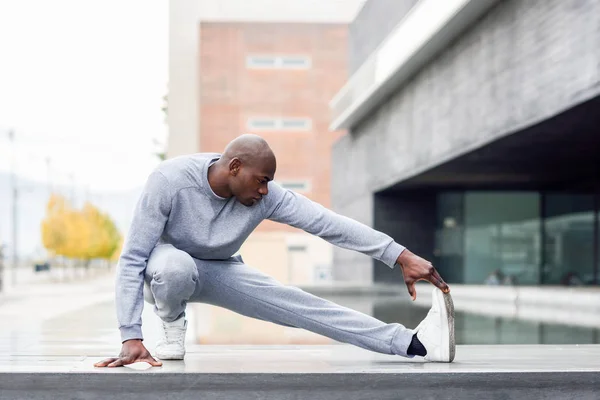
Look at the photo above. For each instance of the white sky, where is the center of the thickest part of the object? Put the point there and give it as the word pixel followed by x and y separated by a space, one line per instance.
pixel 82 81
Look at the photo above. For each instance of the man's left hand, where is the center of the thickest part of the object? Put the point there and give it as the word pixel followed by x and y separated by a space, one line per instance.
pixel 415 268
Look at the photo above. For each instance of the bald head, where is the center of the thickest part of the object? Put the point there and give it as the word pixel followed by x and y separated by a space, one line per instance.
pixel 249 149
pixel 246 167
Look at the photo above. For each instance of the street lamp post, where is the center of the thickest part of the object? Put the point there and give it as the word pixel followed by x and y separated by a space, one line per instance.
pixel 15 197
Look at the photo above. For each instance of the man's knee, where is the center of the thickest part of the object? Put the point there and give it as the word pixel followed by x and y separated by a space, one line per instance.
pixel 169 264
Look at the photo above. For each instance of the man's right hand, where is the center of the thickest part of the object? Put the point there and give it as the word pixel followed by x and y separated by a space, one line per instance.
pixel 415 268
pixel 132 351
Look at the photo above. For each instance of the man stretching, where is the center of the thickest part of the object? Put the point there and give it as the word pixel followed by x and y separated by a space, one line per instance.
pixel 195 213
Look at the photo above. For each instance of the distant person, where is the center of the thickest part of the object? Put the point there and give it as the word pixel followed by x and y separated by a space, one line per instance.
pixel 571 279
pixel 195 213
pixel 510 280
pixel 495 278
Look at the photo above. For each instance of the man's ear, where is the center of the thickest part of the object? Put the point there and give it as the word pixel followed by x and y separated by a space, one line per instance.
pixel 234 166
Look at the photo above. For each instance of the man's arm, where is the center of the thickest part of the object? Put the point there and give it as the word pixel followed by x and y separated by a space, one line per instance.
pixel 149 219
pixel 298 211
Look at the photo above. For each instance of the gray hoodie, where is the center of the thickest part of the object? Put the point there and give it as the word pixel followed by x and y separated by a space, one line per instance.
pixel 178 207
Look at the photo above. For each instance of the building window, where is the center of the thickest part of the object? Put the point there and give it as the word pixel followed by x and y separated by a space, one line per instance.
pixel 279 124
pixel 278 62
pixel 261 62
pixel 296 124
pixel 295 62
pixel 568 239
pixel 295 186
pixel 261 124
pixel 502 237
pixel 297 247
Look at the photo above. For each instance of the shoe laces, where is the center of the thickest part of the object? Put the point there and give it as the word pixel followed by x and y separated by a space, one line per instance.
pixel 173 334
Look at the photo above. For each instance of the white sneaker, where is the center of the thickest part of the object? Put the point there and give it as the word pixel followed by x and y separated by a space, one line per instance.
pixel 172 343
pixel 436 331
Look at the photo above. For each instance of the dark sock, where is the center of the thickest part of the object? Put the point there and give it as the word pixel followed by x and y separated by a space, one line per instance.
pixel 416 348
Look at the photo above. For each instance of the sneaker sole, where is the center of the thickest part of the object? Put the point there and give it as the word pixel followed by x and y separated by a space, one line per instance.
pixel 170 356
pixel 447 330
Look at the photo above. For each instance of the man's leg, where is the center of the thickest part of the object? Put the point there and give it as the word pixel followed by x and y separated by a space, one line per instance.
pixel 247 291
pixel 171 279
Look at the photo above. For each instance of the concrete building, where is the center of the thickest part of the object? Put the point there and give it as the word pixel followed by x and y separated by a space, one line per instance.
pixel 473 138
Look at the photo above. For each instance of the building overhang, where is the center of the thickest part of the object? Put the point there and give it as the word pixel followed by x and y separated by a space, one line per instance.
pixel 558 153
pixel 425 31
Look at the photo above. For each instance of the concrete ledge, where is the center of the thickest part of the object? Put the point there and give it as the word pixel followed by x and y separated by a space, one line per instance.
pixel 302 386
pixel 324 372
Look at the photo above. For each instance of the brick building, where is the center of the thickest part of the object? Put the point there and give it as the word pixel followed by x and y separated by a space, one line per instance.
pixel 270 68
pixel 275 80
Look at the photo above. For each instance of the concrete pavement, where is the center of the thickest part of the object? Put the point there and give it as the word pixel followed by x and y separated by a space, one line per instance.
pixel 52 334
pixel 324 372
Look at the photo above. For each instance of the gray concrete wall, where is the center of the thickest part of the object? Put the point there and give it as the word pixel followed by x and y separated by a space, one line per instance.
pixel 349 198
pixel 373 23
pixel 523 62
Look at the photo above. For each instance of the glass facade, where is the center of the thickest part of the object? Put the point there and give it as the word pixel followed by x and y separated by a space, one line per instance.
pixel 522 238
pixel 568 239
pixel 502 241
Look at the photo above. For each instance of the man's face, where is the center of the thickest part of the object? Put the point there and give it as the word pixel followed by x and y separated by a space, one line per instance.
pixel 249 183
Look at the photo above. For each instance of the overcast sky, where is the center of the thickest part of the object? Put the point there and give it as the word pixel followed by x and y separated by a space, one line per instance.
pixel 82 81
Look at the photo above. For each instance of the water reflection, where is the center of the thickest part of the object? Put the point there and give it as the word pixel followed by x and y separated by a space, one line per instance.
pixel 219 326
pixel 480 329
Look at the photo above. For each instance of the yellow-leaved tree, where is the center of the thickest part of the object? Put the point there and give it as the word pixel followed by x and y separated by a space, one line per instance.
pixel 113 240
pixel 84 234
pixel 54 232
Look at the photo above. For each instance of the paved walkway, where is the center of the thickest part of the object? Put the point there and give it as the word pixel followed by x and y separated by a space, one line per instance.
pixel 58 354
pixel 75 317
pixel 53 333
pixel 36 301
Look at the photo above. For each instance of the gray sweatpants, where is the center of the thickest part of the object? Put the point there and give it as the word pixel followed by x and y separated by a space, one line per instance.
pixel 173 278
